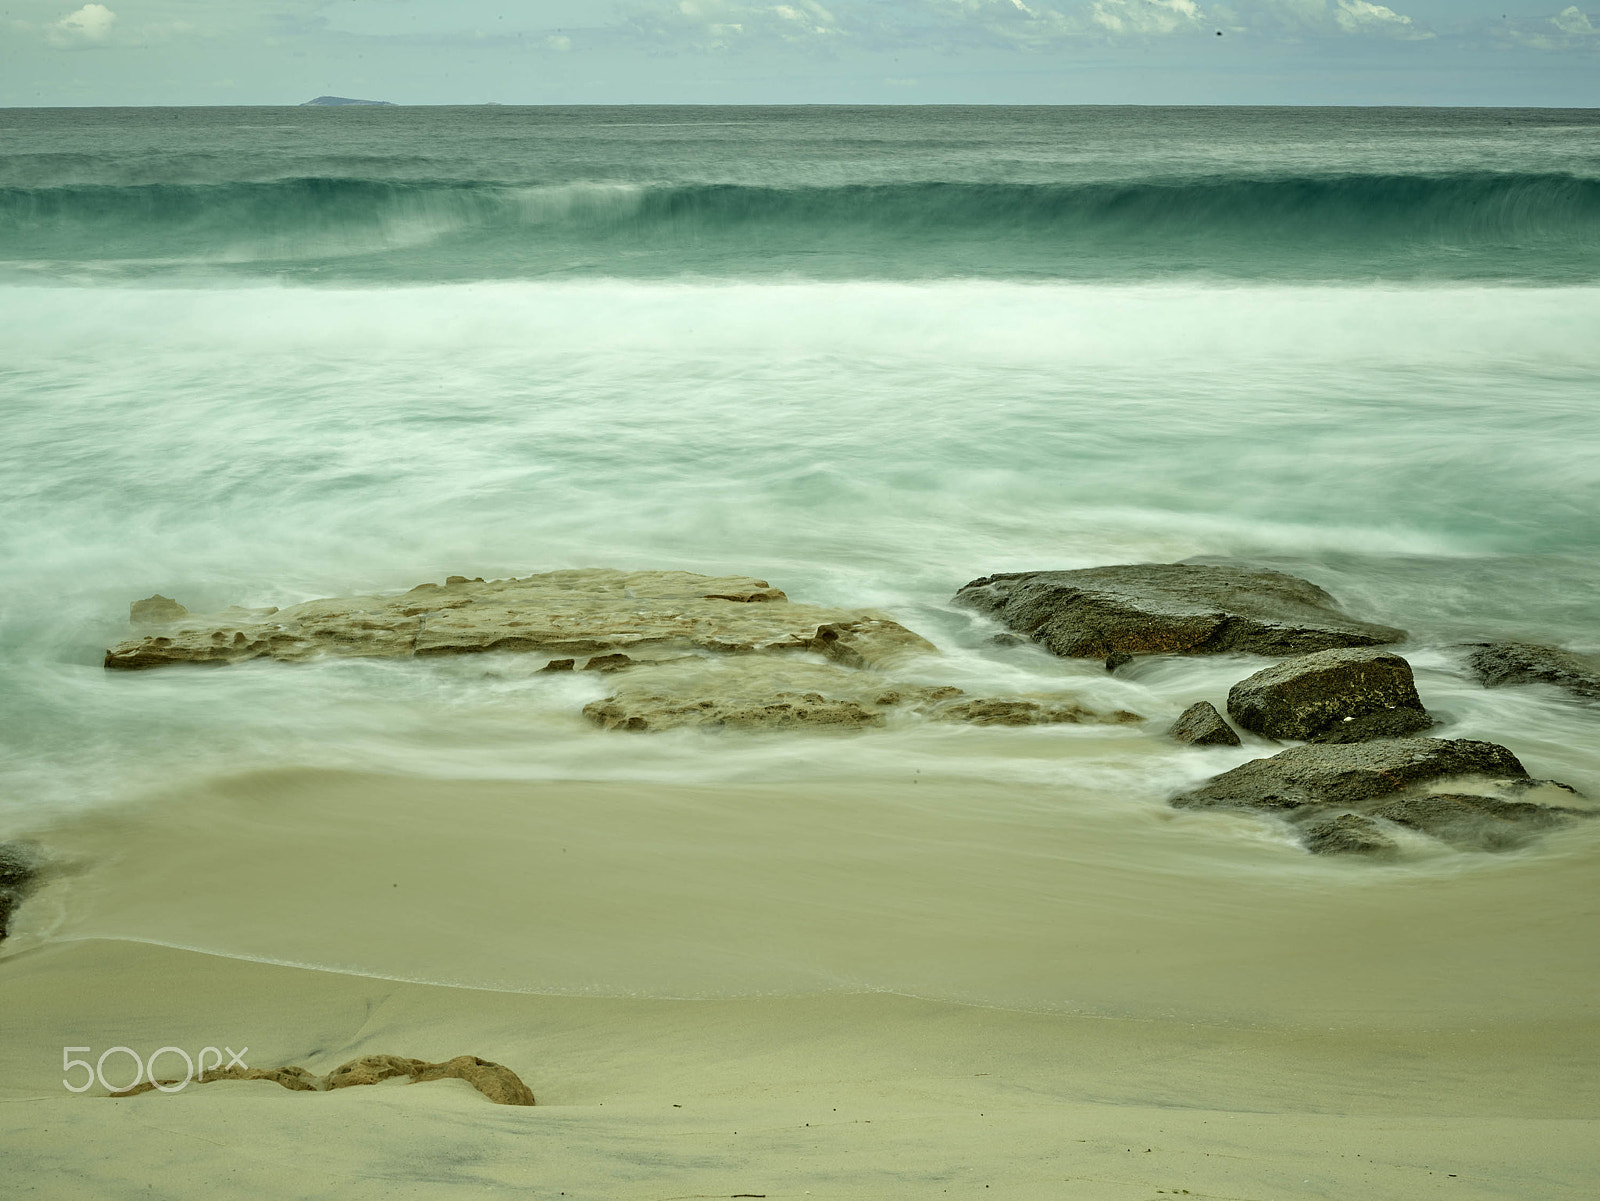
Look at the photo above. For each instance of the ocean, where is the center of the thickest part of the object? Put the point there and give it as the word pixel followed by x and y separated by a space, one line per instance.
pixel 257 355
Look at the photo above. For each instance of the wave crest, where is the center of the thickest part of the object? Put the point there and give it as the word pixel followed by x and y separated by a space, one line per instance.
pixel 1472 225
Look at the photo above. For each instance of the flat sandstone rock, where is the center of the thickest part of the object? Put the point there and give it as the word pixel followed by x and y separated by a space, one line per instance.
pixel 761 694
pixel 583 614
pixel 1170 609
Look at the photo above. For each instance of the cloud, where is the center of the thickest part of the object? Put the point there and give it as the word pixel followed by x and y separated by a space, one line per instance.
pixel 722 24
pixel 90 25
pixel 1146 16
pixel 1304 19
pixel 1358 16
pixel 1016 24
pixel 1569 29
pixel 1569 20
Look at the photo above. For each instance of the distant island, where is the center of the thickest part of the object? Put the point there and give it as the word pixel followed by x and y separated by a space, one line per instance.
pixel 336 101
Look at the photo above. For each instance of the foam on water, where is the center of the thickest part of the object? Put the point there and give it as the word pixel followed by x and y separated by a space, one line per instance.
pixel 1425 453
pixel 868 355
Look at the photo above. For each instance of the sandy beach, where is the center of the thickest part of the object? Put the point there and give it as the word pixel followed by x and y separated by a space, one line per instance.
pixel 1379 1035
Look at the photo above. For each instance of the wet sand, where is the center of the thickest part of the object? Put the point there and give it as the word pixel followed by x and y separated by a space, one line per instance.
pixel 852 988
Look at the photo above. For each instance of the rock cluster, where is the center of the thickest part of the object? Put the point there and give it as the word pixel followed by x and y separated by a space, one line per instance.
pixel 734 652
pixel 1365 774
pixel 495 1081
pixel 723 651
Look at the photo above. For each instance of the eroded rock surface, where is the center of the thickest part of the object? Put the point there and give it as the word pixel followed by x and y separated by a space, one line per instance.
pixel 1501 663
pixel 1201 725
pixel 1170 608
pixel 19 866
pixel 1458 790
pixel 591 614
pixel 495 1081
pixel 687 650
pixel 1345 695
pixel 759 694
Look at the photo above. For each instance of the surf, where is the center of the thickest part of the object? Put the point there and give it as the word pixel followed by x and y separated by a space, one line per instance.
pixel 1464 225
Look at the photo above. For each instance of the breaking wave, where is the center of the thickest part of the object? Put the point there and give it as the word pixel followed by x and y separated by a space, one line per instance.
pixel 1473 225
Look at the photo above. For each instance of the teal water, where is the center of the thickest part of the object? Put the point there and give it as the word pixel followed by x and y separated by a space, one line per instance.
pixel 836 193
pixel 262 355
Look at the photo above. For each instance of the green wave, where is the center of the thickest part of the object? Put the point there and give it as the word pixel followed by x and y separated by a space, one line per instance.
pixel 1463 225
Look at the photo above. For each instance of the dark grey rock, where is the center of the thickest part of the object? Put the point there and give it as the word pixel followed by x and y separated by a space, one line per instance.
pixel 606 663
pixel 1392 723
pixel 1349 775
pixel 19 867
pixel 1500 663
pixel 1170 608
pixel 1343 695
pixel 1346 834
pixel 1201 725
pixel 1339 795
pixel 1481 822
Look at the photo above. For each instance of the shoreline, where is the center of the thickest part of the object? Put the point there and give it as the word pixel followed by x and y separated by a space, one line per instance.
pixel 1043 897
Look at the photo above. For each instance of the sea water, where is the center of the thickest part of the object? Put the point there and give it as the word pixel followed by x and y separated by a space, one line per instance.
pixel 256 356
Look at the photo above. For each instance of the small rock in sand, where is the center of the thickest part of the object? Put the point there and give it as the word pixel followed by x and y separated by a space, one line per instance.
pixel 495 1081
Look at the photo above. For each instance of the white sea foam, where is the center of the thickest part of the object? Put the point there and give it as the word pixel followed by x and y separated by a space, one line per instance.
pixel 859 443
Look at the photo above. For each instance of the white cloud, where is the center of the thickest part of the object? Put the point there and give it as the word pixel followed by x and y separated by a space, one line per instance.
pixel 1304 19
pixel 1569 29
pixel 721 24
pixel 90 25
pixel 1358 16
pixel 1146 16
pixel 1017 24
pixel 1570 20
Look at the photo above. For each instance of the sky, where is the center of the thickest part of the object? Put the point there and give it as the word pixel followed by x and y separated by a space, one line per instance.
pixel 222 52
